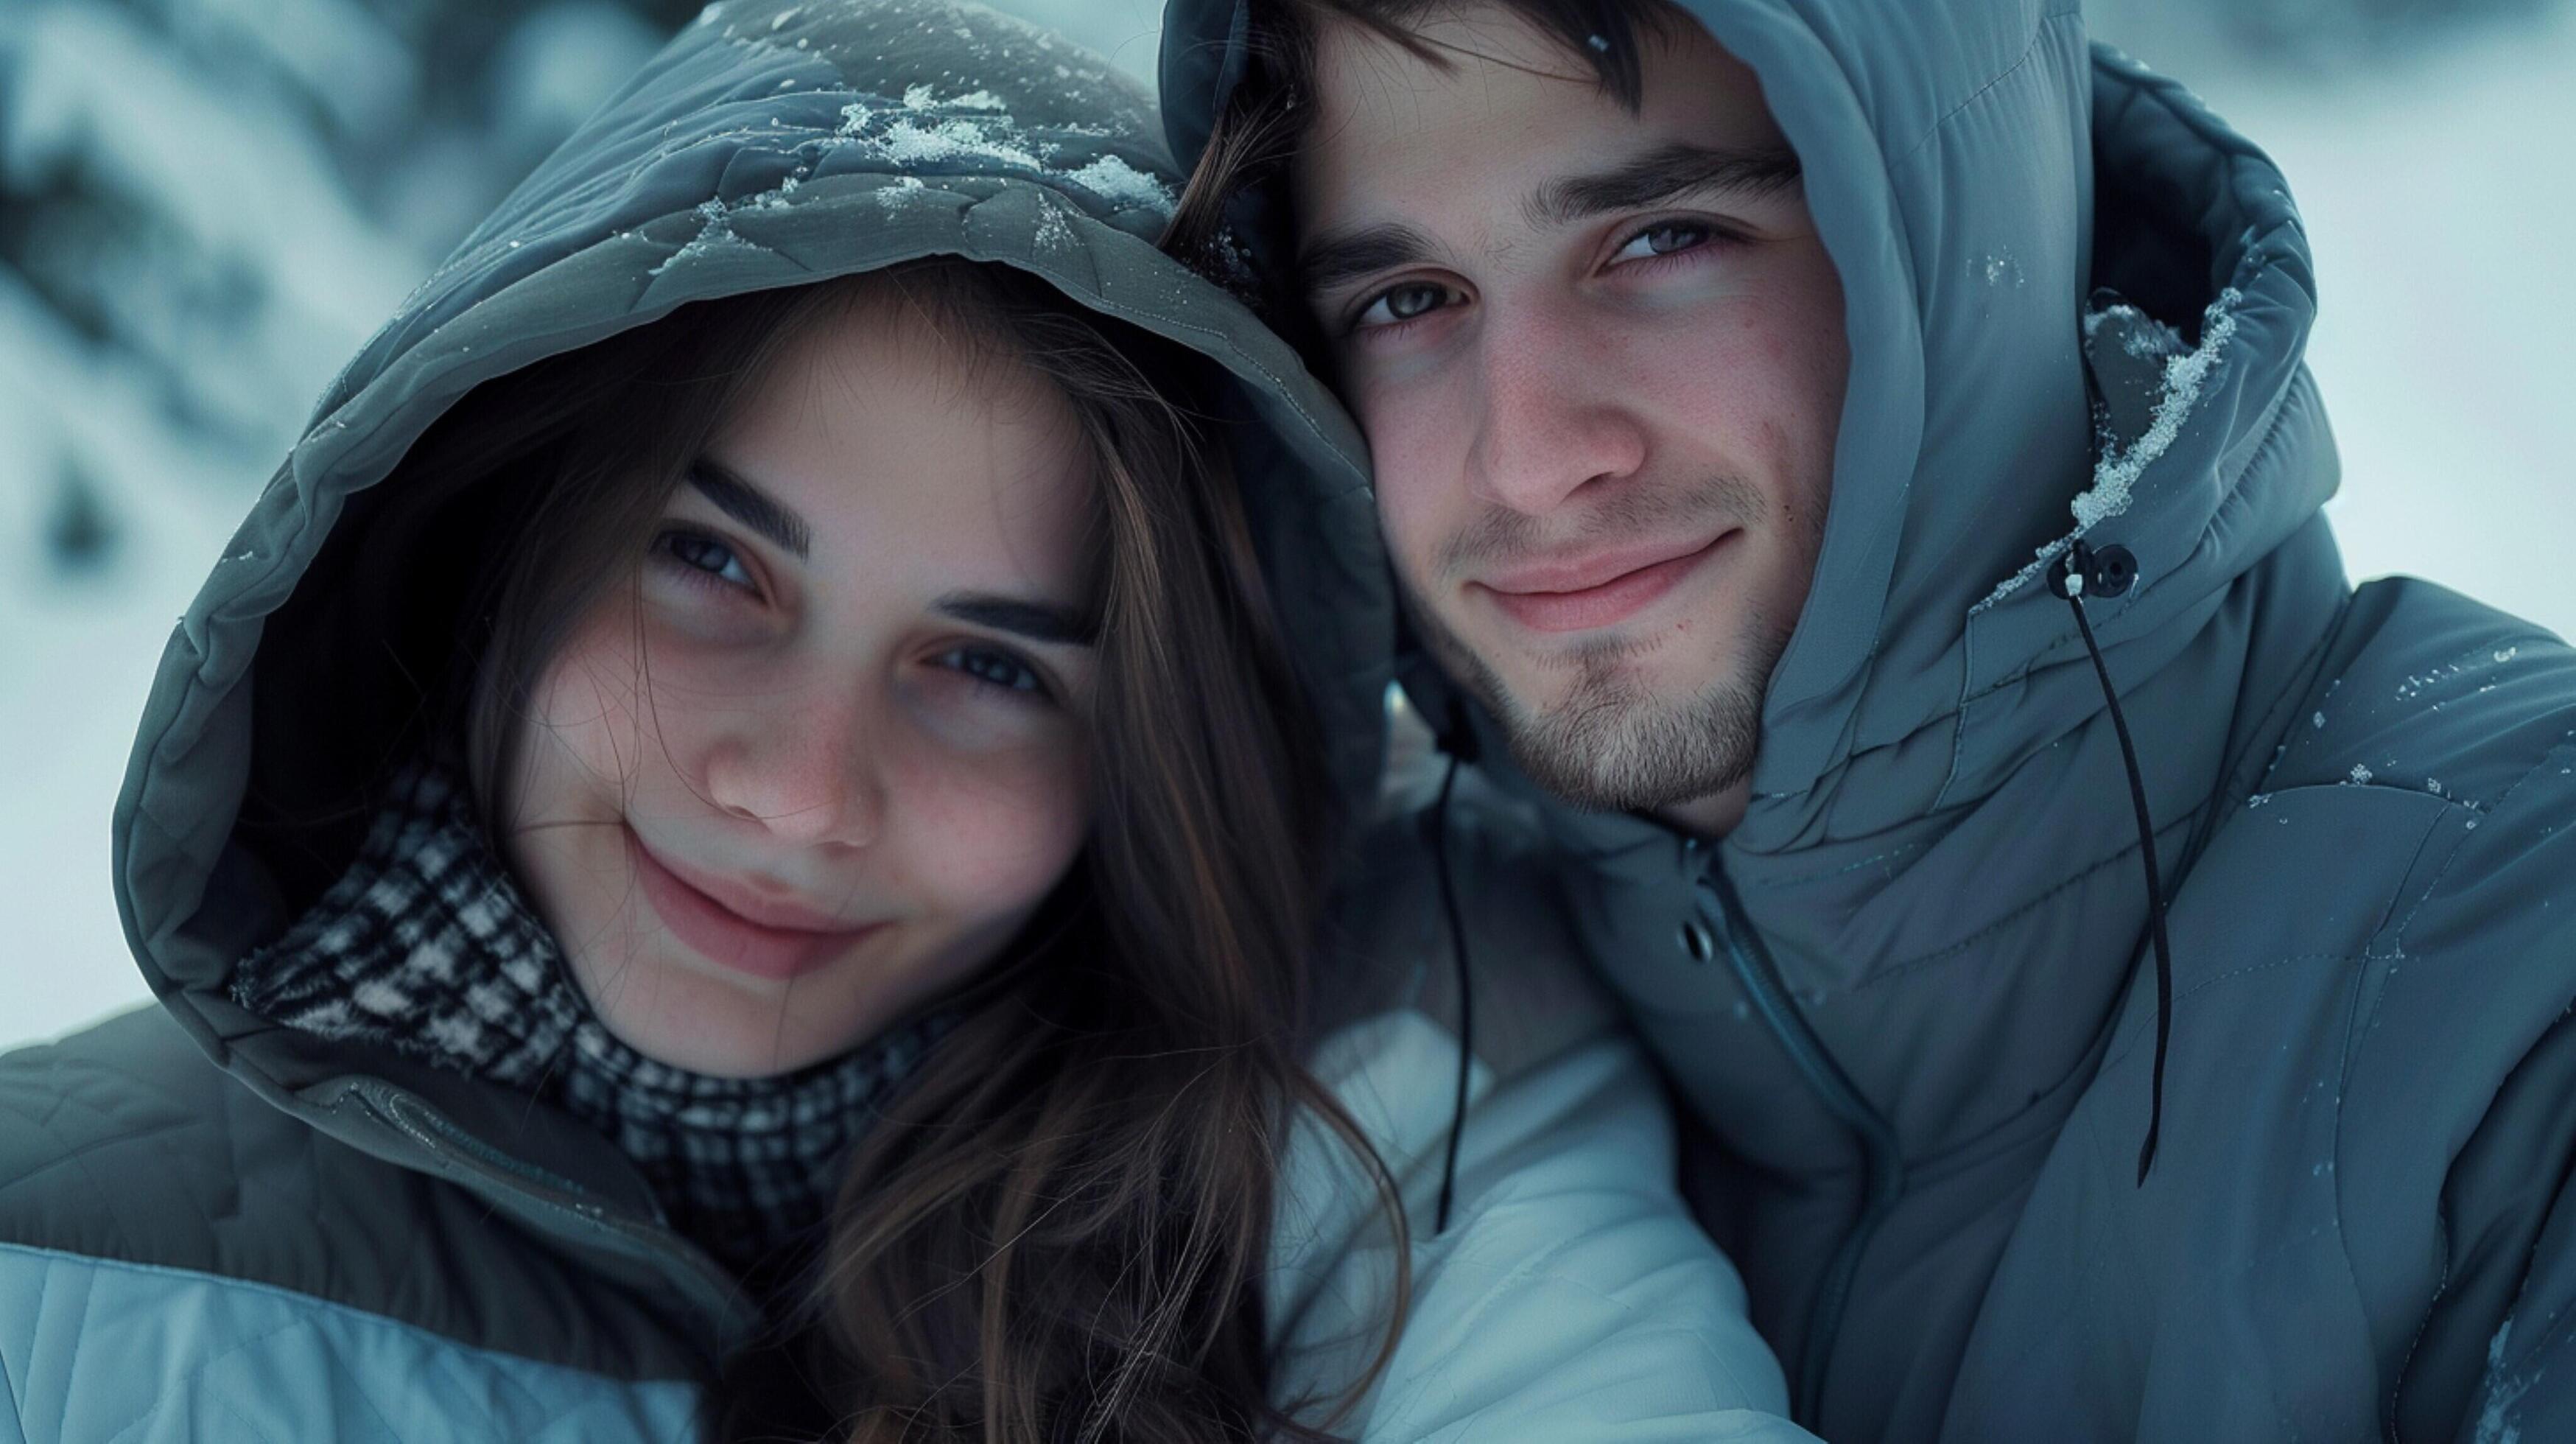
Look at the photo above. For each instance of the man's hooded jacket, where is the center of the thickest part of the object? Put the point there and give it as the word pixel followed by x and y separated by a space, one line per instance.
pixel 1913 996
pixel 216 1227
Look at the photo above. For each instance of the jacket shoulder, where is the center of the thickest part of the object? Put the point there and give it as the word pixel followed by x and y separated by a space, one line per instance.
pixel 126 1145
pixel 2426 690
pixel 121 1142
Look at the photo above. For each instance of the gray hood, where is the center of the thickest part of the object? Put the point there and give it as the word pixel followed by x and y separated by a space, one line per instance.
pixel 768 145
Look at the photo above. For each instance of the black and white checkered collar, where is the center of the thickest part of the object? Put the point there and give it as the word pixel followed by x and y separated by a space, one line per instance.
pixel 426 946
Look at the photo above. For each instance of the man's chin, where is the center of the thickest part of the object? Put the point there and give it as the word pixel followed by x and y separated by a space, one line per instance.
pixel 1609 739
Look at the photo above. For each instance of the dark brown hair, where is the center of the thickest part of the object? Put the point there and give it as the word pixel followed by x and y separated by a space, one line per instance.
pixel 1258 126
pixel 1057 1229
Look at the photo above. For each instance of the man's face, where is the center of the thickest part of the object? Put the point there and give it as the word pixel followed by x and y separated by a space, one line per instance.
pixel 1599 358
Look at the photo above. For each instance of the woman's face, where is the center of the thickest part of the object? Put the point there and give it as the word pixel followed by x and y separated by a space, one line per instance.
pixel 827 755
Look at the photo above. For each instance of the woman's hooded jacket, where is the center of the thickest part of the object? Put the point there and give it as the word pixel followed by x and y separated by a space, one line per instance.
pixel 215 1226
pixel 1913 995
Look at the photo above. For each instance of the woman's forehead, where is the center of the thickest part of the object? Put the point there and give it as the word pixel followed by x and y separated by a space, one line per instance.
pixel 897 434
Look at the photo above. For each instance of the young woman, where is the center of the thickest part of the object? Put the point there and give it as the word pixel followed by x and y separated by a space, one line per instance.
pixel 740 846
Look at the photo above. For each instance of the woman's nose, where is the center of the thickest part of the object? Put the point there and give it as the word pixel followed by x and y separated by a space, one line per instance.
pixel 805 774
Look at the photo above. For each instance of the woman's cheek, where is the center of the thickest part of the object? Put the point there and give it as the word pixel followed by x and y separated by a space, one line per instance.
pixel 581 719
pixel 1003 827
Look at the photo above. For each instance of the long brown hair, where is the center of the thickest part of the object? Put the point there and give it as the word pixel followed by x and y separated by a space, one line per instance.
pixel 1057 1230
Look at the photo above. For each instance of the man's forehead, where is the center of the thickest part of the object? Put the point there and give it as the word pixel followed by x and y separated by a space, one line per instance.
pixel 1398 133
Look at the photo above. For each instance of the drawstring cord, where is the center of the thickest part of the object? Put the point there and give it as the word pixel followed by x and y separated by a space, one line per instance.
pixel 1466 992
pixel 2109 572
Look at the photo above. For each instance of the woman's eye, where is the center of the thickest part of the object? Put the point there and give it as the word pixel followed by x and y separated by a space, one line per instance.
pixel 704 553
pixel 1000 669
pixel 1663 239
pixel 1404 303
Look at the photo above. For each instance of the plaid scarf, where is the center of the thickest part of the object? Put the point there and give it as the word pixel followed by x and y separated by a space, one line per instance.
pixel 425 946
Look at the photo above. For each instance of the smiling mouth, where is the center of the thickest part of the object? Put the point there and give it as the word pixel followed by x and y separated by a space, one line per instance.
pixel 1597 591
pixel 708 927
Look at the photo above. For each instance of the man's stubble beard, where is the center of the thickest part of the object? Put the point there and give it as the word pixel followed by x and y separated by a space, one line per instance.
pixel 1610 744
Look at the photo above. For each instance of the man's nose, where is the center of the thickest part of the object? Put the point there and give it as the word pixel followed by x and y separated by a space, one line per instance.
pixel 1551 420
pixel 804 771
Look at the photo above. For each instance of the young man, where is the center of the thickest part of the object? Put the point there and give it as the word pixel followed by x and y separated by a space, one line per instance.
pixel 1854 460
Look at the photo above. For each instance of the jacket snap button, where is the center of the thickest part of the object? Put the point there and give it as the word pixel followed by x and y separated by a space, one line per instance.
pixel 1697 942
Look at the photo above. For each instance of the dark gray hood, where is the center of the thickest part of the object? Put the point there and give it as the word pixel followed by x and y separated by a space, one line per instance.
pixel 768 145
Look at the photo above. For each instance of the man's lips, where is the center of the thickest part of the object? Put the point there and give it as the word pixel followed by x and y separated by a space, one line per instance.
pixel 1597 590
pixel 766 938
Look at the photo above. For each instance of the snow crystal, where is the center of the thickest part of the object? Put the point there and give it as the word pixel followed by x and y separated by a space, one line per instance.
pixel 775 198
pixel 908 142
pixel 1119 183
pixel 1054 232
pixel 2502 1393
pixel 1600 43
pixel 2433 785
pixel 2507 654
pixel 2148 337
pixel 854 118
pixel 779 21
pixel 2318 721
pixel 2118 470
pixel 2360 773
pixel 715 232
pixel 1064 72
pixel 2258 799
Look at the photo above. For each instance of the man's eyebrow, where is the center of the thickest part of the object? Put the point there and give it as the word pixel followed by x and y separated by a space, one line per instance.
pixel 1037 621
pixel 1669 170
pixel 773 519
pixel 1339 257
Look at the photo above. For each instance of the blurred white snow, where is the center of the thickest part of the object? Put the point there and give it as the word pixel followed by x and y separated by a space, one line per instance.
pixel 207 205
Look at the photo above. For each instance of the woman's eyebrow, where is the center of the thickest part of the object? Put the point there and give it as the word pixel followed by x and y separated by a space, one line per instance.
pixel 776 521
pixel 1037 621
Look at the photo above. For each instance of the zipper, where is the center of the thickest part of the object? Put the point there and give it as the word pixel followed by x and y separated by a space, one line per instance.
pixel 1883 1167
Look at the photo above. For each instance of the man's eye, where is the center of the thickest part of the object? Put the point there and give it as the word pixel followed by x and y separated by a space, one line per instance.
pixel 1001 669
pixel 1403 303
pixel 700 552
pixel 1663 239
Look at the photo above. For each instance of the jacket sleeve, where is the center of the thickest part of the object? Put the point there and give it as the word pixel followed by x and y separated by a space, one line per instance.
pixel 1570 1297
pixel 2505 1321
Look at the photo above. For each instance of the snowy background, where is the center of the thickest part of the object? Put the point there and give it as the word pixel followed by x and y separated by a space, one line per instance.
pixel 207 205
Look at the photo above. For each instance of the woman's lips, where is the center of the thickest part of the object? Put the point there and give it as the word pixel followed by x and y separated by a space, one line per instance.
pixel 1593 592
pixel 725 937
